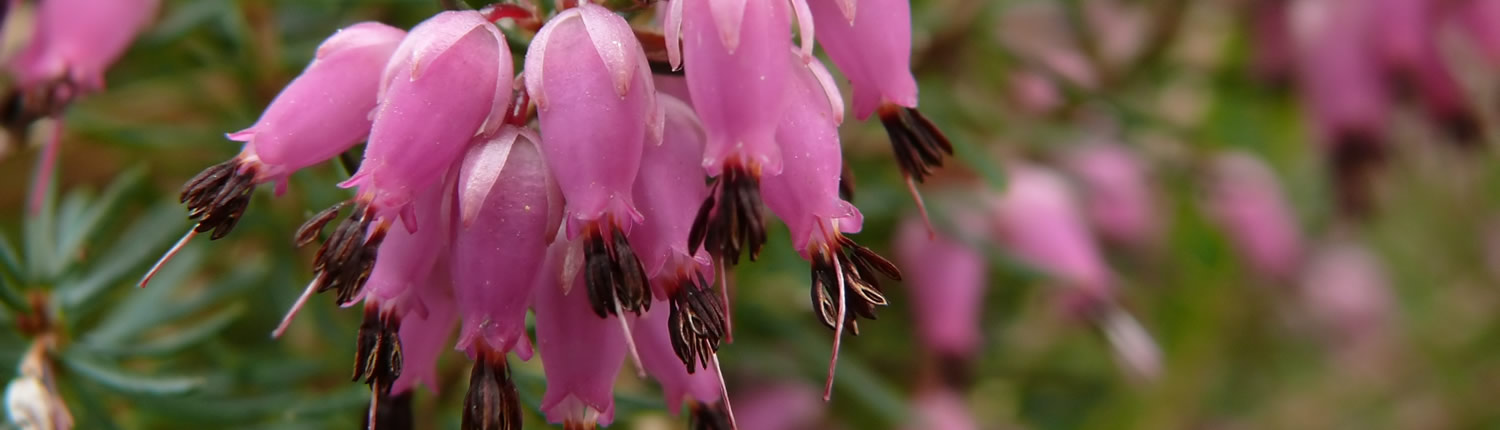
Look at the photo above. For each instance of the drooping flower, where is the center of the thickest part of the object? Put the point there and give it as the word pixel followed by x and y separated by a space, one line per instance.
pixel 399 283
pixel 946 280
pixel 1117 193
pixel 668 195
pixel 320 114
pixel 452 69
pixel 871 44
pixel 1246 201
pixel 735 57
pixel 581 353
pixel 507 214
pixel 806 197
pixel 941 409
pixel 776 406
pixel 1038 221
pixel 1481 19
pixel 597 106
pixel 1341 83
pixel 72 43
pixel 1405 37
pixel 1345 290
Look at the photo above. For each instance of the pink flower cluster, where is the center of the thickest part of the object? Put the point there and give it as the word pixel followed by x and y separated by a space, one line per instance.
pixel 576 191
pixel 1352 60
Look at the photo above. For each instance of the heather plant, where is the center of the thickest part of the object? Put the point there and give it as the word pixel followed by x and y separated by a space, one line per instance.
pixel 638 213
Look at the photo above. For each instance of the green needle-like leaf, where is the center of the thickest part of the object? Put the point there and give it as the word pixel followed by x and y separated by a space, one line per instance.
pixel 80 224
pixel 124 382
pixel 10 262
pixel 143 308
pixel 178 340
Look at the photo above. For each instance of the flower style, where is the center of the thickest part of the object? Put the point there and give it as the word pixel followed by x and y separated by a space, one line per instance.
pixel 320 114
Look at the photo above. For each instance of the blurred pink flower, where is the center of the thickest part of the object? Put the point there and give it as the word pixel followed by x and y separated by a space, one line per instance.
pixel 74 41
pixel 947 280
pixel 779 406
pixel 1117 192
pixel 1346 290
pixel 507 215
pixel 1246 201
pixel 941 409
pixel 1038 221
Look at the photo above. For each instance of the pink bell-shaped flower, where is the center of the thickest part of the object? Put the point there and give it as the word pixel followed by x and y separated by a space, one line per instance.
pixel 1481 20
pixel 1038 221
pixel 319 115
pixel 1246 201
pixel 1117 192
pixel 871 44
pixel 1405 37
pixel 946 279
pixel 737 68
pixel 1346 292
pixel 597 106
pixel 507 214
pixel 668 193
pixel 942 409
pixel 1341 83
pixel 581 353
pixel 806 197
pixel 74 41
pixel 452 69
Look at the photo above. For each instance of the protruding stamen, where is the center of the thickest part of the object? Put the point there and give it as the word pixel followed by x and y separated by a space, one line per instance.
pixel 728 308
pixel 44 168
pixel 838 333
pixel 286 321
pixel 842 270
pixel 911 187
pixel 635 354
pixel 724 390
pixel 167 257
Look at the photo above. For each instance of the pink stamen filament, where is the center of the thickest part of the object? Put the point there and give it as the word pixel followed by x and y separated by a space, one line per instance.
pixel 286 321
pixel 635 355
pixel 168 256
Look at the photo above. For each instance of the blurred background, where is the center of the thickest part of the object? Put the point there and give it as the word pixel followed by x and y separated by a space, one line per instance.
pixel 1161 214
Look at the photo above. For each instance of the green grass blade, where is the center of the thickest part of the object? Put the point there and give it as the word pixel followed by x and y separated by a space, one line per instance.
pixel 124 382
